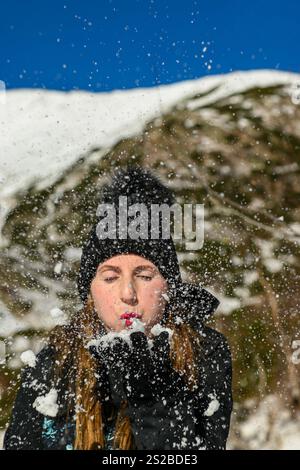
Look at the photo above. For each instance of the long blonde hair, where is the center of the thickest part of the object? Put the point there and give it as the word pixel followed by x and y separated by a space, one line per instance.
pixel 74 363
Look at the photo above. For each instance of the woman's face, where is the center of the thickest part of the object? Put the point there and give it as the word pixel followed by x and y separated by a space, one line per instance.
pixel 128 283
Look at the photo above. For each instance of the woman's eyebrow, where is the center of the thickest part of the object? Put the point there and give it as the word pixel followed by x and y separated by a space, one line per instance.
pixel 118 270
pixel 144 267
pixel 110 268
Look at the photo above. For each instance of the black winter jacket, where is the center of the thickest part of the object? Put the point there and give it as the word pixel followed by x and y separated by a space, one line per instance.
pixel 163 426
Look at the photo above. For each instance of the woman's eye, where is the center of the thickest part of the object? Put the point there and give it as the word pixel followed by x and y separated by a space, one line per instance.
pixel 109 279
pixel 147 278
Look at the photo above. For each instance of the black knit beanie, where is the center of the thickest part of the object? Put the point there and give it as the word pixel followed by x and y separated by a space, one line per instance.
pixel 140 185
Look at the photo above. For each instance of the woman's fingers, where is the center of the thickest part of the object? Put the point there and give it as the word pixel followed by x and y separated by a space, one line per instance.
pixel 140 352
pixel 139 374
pixel 117 357
pixel 113 353
pixel 161 349
pixel 119 352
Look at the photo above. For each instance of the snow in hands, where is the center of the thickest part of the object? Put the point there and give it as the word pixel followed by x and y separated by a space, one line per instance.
pixel 125 334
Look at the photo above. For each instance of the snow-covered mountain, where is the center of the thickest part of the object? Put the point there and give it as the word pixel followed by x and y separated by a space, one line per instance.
pixel 44 132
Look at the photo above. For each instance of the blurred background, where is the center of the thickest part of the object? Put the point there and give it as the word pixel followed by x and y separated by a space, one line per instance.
pixel 208 95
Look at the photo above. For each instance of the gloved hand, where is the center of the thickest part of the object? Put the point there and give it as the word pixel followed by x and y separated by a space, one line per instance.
pixel 138 373
pixel 111 369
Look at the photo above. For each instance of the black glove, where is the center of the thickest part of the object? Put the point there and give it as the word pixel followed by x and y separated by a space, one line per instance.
pixel 111 369
pixel 139 374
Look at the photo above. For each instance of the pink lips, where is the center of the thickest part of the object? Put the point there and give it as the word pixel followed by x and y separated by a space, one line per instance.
pixel 127 317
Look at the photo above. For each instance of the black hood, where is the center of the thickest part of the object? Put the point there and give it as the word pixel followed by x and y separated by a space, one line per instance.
pixel 194 304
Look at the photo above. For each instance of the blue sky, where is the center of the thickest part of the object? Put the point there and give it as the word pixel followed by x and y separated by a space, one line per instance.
pixel 101 45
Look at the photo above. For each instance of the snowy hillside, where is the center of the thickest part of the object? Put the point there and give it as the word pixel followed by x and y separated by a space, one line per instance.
pixel 43 132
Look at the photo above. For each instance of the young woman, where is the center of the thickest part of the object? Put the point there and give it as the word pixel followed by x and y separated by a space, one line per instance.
pixel 136 367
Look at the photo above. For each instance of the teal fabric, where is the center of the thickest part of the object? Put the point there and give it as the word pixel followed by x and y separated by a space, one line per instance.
pixel 53 434
pixel 49 433
pixel 109 435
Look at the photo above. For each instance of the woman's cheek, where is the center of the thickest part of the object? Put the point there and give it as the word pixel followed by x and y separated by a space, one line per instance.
pixel 104 302
pixel 157 297
pixel 155 305
pixel 102 293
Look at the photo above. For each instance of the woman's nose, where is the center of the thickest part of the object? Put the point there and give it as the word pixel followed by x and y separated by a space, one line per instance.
pixel 128 293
